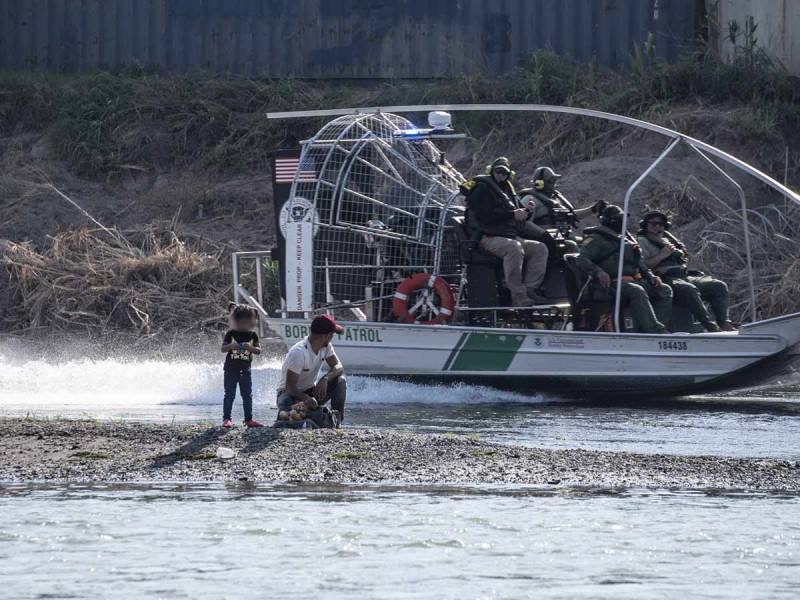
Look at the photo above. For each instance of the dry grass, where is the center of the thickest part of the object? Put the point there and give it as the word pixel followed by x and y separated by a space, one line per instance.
pixel 775 256
pixel 96 279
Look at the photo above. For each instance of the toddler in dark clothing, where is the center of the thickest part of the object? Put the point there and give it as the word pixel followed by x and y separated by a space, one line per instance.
pixel 240 344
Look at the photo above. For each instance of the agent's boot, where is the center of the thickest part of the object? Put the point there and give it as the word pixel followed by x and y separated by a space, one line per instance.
pixel 520 302
pixel 537 295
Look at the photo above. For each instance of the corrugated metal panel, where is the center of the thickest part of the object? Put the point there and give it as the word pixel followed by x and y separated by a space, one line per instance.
pixel 331 38
pixel 778 27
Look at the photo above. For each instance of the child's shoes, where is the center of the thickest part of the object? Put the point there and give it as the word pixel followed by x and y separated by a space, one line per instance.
pixel 227 423
pixel 252 423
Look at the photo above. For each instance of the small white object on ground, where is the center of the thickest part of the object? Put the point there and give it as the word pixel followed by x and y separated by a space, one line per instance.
pixel 225 453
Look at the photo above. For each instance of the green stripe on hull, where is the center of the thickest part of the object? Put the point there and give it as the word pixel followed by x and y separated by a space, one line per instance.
pixel 487 352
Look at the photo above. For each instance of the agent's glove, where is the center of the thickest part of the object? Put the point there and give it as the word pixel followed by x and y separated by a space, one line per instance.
pixel 599 207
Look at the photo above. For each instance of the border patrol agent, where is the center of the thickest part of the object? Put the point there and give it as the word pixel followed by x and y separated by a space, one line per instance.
pixel 551 210
pixel 649 297
pixel 494 209
pixel 666 255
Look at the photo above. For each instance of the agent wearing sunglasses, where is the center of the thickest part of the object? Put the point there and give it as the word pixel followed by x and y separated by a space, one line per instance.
pixel 666 255
pixel 494 210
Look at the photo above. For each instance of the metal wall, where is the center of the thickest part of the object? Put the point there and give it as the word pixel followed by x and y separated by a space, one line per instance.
pixel 330 38
pixel 778 27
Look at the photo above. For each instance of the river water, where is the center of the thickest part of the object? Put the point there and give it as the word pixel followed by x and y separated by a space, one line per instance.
pixel 214 540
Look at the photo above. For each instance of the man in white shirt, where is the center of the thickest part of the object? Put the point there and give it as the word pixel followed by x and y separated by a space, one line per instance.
pixel 302 365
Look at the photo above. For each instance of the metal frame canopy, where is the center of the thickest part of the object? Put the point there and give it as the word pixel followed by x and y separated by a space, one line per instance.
pixel 702 148
pixel 378 191
pixel 584 112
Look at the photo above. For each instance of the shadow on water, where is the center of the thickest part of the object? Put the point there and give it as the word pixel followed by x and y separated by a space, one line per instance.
pixel 704 404
pixel 338 492
pixel 509 411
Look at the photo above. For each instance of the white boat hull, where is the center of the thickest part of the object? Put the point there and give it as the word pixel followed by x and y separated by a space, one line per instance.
pixel 586 363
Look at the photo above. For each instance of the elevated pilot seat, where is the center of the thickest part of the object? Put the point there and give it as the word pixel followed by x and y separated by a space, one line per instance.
pixel 484 274
pixel 485 277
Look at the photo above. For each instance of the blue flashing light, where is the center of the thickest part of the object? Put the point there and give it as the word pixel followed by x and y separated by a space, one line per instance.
pixel 410 133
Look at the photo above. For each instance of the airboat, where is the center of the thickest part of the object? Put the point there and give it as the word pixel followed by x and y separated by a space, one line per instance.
pixel 370 225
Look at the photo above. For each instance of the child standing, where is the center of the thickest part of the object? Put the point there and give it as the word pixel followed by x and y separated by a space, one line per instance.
pixel 240 343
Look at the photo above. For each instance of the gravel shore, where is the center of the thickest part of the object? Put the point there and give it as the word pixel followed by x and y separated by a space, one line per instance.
pixel 36 450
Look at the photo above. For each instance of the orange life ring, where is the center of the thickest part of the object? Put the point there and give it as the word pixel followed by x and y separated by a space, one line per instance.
pixel 447 301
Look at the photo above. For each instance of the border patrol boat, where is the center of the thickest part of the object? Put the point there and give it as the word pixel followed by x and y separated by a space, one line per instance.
pixel 371 228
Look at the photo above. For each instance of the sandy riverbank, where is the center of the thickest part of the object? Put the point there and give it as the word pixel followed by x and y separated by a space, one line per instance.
pixel 91 451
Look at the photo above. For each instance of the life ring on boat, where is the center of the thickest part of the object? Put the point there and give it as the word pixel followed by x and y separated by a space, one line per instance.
pixel 447 301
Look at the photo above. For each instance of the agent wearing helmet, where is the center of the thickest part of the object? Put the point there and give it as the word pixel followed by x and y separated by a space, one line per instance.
pixel 494 210
pixel 666 255
pixel 649 297
pixel 551 210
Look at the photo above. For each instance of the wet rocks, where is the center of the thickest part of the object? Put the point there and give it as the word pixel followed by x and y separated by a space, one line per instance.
pixel 91 451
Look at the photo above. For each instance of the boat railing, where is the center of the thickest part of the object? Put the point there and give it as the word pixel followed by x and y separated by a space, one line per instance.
pixel 260 258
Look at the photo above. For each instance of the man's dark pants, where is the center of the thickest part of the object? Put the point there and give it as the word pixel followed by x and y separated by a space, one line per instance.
pixel 337 394
pixel 245 382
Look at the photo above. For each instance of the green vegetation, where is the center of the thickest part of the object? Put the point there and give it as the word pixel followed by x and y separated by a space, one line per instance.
pixel 201 456
pixel 209 131
pixel 90 455
pixel 105 124
pixel 479 453
pixel 34 418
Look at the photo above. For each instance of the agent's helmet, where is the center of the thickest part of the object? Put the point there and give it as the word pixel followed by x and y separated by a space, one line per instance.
pixel 653 214
pixel 502 165
pixel 611 217
pixel 544 180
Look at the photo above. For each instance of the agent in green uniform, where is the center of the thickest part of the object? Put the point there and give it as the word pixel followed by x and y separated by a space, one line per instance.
pixel 649 297
pixel 667 257
pixel 550 209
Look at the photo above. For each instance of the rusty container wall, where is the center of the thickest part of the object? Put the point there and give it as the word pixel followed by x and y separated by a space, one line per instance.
pixel 331 38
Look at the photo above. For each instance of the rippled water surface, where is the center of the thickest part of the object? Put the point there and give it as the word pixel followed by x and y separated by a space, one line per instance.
pixel 758 423
pixel 217 541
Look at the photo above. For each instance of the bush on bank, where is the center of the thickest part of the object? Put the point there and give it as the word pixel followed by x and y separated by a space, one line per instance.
pixel 102 123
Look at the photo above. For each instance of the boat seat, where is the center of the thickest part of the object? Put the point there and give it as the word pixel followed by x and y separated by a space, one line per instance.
pixel 597 300
pixel 469 246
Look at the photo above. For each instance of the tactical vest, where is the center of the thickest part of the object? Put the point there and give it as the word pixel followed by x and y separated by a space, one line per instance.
pixel 508 229
pixel 675 263
pixel 549 220
pixel 633 253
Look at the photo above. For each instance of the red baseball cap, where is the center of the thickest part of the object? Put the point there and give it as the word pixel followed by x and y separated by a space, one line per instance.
pixel 325 324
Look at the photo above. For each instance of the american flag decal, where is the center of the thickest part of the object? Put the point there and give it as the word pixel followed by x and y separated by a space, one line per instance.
pixel 286 168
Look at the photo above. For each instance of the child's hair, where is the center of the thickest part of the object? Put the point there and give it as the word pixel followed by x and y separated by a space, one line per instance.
pixel 241 312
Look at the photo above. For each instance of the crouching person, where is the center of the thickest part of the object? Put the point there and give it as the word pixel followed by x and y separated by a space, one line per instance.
pixel 301 396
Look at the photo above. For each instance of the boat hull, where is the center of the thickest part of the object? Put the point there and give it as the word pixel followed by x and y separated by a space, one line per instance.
pixel 567 363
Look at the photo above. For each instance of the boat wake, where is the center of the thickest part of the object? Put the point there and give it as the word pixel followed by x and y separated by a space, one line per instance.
pixel 89 385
